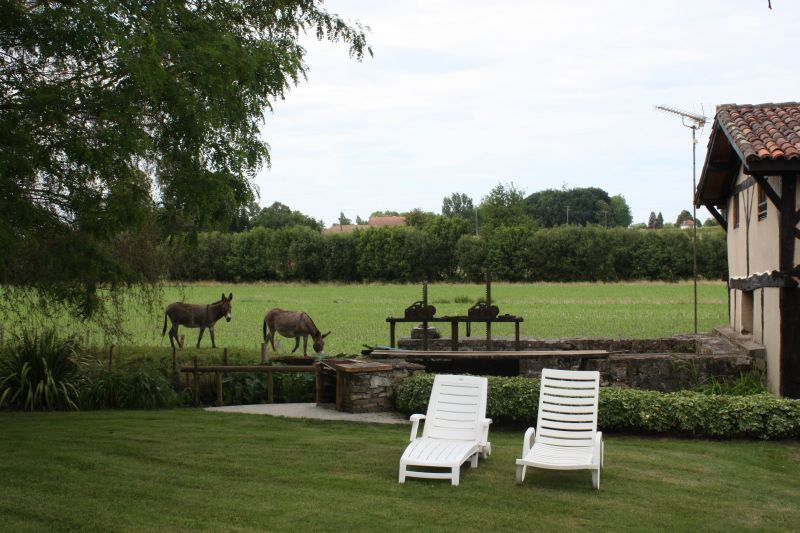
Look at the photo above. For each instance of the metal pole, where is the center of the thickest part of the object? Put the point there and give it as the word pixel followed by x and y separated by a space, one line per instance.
pixel 694 222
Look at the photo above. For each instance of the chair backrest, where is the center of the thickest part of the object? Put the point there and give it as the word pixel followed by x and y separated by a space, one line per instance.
pixel 568 407
pixel 456 408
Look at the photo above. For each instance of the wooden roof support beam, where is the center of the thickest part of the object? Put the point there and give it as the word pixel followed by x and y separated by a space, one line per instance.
pixel 797 217
pixel 797 233
pixel 718 216
pixel 771 194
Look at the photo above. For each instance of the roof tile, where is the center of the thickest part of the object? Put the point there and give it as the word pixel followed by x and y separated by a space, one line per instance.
pixel 763 131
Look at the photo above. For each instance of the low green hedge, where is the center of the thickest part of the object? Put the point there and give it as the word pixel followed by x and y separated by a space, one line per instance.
pixel 516 399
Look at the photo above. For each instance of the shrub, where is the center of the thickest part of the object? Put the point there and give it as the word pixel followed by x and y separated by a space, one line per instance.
pixel 109 389
pixel 759 416
pixel 39 370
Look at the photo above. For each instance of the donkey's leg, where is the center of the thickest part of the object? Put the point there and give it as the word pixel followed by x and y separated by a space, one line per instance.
pixel 171 337
pixel 305 345
pixel 296 343
pixel 200 336
pixel 270 339
pixel 211 332
pixel 174 333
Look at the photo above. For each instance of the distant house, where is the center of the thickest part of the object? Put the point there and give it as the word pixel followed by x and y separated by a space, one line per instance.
pixel 687 224
pixel 749 183
pixel 374 222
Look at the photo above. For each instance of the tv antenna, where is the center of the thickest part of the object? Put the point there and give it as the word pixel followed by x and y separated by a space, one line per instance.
pixel 693 121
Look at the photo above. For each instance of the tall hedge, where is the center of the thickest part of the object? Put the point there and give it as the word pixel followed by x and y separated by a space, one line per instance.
pixel 445 249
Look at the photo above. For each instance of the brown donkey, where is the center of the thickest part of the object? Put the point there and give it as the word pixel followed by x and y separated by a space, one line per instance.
pixel 293 325
pixel 196 316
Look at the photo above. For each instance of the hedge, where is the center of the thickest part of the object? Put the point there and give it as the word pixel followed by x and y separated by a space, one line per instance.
pixel 443 250
pixel 516 399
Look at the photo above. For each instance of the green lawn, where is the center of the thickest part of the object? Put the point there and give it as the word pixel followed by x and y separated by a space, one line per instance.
pixel 188 470
pixel 356 314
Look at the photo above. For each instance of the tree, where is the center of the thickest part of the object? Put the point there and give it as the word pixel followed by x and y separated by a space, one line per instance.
pixel 651 221
pixel 279 216
pixel 684 216
pixel 659 221
pixel 458 205
pixel 587 205
pixel 360 221
pixel 710 222
pixel 619 212
pixel 503 206
pixel 418 218
pixel 113 113
pixel 343 220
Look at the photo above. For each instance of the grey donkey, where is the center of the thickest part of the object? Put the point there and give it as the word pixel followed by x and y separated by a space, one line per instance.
pixel 293 325
pixel 196 316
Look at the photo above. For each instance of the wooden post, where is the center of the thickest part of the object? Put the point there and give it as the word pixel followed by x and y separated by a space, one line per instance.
pixel 391 334
pixel 218 378
pixel 318 381
pixel 183 338
pixel 270 388
pixel 516 335
pixel 174 361
pixel 488 335
pixel 110 355
pixel 454 335
pixel 225 356
pixel 264 355
pixel 196 384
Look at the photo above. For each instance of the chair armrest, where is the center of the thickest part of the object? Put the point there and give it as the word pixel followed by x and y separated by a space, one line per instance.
pixel 597 452
pixel 415 425
pixel 527 441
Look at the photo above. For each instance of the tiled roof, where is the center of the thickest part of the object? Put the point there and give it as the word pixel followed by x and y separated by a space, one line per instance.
pixel 379 222
pixel 764 131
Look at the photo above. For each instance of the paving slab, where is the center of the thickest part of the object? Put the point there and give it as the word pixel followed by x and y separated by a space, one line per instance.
pixel 311 411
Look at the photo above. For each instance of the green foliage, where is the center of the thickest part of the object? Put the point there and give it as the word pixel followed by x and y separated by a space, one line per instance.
pixel 589 205
pixel 135 389
pixel 279 216
pixel 503 206
pixel 39 370
pixel 759 416
pixel 745 384
pixel 118 113
pixel 458 205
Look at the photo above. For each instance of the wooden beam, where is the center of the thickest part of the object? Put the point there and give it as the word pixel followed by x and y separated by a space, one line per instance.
pixel 797 217
pixel 718 216
pixel 771 194
pixel 759 281
pixel 797 233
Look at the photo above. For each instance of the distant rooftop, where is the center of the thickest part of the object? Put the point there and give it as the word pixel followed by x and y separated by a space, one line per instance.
pixel 374 222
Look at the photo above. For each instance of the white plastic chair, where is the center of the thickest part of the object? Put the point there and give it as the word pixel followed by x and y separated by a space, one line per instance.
pixel 456 429
pixel 567 436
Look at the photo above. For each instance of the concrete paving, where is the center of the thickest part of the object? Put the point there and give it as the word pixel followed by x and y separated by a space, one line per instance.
pixel 313 412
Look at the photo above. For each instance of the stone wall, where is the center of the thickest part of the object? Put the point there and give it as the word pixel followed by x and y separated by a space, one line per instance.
pixel 371 392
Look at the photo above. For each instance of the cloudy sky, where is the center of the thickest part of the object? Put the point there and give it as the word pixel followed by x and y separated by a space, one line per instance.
pixel 462 95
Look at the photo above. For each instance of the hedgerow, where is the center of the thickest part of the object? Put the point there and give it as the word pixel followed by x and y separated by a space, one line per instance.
pixel 515 399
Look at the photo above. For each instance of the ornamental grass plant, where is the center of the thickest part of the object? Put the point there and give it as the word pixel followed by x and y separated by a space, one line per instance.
pixel 39 370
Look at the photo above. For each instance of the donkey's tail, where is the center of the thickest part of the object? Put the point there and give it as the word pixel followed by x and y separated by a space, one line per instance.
pixel 165 325
pixel 264 329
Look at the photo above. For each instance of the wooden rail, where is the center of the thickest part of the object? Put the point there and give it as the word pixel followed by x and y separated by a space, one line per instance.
pixel 220 371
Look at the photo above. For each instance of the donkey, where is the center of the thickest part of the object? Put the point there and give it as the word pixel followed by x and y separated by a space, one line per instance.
pixel 293 325
pixel 196 316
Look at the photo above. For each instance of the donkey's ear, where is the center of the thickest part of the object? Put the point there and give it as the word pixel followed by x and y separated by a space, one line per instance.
pixel 326 334
pixel 223 296
pixel 230 297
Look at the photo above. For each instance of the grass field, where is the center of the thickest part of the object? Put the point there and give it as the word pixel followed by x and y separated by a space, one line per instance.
pixel 188 470
pixel 356 313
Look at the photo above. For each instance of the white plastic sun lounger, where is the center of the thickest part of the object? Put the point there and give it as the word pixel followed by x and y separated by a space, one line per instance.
pixel 455 430
pixel 567 437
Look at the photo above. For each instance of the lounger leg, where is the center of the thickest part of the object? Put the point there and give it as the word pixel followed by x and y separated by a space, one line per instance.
pixel 520 473
pixel 473 461
pixel 402 473
pixel 596 479
pixel 456 472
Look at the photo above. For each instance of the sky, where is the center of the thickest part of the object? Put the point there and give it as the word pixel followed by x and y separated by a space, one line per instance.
pixel 464 95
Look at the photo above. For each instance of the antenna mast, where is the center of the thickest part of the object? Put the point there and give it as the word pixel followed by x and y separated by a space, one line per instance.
pixel 694 121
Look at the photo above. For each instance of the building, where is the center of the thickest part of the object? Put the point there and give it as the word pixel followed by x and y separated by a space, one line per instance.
pixel 374 222
pixel 749 183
